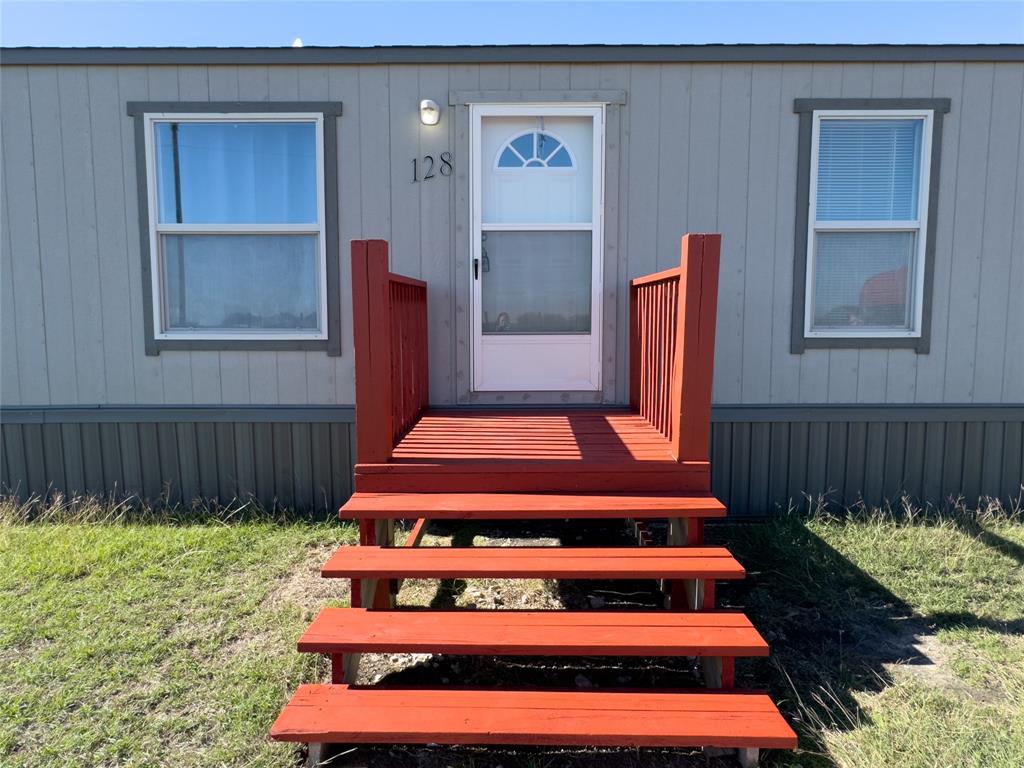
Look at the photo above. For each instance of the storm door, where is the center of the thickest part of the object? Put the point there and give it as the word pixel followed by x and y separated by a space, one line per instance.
pixel 537 193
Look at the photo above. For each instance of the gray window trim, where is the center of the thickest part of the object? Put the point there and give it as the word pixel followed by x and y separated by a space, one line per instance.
pixel 461 98
pixel 330 110
pixel 805 108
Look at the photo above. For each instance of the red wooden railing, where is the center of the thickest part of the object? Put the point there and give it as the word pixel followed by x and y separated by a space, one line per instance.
pixel 672 345
pixel 390 328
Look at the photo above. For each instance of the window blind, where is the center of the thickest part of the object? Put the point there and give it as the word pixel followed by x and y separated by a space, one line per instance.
pixel 868 170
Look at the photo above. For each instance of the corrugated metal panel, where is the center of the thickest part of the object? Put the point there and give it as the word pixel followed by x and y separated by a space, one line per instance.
pixel 758 466
pixel 300 464
pixel 761 467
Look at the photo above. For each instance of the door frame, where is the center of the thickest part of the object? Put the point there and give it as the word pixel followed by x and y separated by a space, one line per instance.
pixel 596 111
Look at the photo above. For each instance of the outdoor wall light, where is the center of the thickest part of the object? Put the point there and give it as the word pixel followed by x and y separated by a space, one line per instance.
pixel 430 112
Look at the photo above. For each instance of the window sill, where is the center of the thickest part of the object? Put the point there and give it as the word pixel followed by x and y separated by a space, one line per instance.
pixel 915 343
pixel 156 346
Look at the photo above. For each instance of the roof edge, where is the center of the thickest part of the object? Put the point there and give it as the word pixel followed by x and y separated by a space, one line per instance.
pixel 507 54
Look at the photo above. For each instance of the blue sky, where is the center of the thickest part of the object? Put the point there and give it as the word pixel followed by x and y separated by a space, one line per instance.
pixel 248 23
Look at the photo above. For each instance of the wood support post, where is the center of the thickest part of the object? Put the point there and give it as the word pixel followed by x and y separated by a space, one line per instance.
pixel 693 361
pixel 337 668
pixel 315 754
pixel 374 593
pixel 748 757
pixel 345 668
pixel 707 595
pixel 371 328
pixel 718 671
pixel 687 594
pixel 695 532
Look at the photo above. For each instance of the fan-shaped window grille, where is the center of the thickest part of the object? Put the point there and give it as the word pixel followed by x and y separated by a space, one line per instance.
pixel 535 149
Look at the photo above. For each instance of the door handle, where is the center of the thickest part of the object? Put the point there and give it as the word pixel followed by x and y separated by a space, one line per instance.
pixel 476 269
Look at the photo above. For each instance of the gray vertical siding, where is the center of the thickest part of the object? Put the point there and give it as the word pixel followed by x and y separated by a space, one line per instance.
pixel 696 147
pixel 764 459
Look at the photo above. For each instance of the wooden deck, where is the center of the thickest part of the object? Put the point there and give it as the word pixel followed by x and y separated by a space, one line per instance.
pixel 542 451
pixel 612 436
pixel 648 461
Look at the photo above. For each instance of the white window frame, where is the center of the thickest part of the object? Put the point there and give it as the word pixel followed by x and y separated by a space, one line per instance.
pixel 918 226
pixel 161 330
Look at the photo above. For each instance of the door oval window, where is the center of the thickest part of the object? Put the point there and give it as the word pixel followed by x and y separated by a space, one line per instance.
pixel 535 149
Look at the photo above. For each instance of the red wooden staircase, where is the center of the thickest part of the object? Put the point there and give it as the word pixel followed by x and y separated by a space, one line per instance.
pixel 647 462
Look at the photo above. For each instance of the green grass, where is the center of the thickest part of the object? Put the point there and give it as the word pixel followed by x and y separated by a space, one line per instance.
pixel 897 640
pixel 145 638
pixel 147 644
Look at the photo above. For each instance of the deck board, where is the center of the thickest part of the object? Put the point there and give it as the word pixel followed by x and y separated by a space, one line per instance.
pixel 506 506
pixel 571 436
pixel 533 633
pixel 341 714
pixel 533 562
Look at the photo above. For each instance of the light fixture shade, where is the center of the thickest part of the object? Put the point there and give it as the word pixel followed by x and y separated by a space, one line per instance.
pixel 430 112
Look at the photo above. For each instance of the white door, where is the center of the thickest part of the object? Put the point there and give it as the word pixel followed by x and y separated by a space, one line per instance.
pixel 538 187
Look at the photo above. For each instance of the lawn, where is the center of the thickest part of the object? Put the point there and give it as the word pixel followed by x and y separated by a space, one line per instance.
pixel 156 640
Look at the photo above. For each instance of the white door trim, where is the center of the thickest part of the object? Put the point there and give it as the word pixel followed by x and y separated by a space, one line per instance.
pixel 596 111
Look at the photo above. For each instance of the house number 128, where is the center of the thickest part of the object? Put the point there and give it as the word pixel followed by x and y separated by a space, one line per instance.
pixel 424 168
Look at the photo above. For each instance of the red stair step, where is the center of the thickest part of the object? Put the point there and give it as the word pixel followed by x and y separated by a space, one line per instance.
pixel 533 562
pixel 343 714
pixel 482 476
pixel 533 633
pixel 517 506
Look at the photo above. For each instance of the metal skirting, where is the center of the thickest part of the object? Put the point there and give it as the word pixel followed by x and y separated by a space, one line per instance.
pixel 300 464
pixel 761 466
pixel 764 458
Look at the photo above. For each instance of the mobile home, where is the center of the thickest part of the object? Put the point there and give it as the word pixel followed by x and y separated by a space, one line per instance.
pixel 177 287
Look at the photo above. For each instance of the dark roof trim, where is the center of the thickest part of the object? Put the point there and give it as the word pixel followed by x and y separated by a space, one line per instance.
pixel 514 54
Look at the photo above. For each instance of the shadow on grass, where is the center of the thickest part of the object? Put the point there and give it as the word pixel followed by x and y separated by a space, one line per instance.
pixel 832 628
pixel 1013 550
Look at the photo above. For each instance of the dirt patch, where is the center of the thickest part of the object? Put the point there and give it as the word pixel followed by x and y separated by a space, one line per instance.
pixel 933 669
pixel 305 587
pixel 917 652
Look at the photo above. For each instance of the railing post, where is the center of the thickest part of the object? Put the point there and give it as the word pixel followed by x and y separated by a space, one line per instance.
pixel 695 347
pixel 634 348
pixel 371 327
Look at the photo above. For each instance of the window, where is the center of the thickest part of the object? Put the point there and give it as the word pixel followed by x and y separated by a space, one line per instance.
pixel 238 228
pixel 535 149
pixel 866 242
